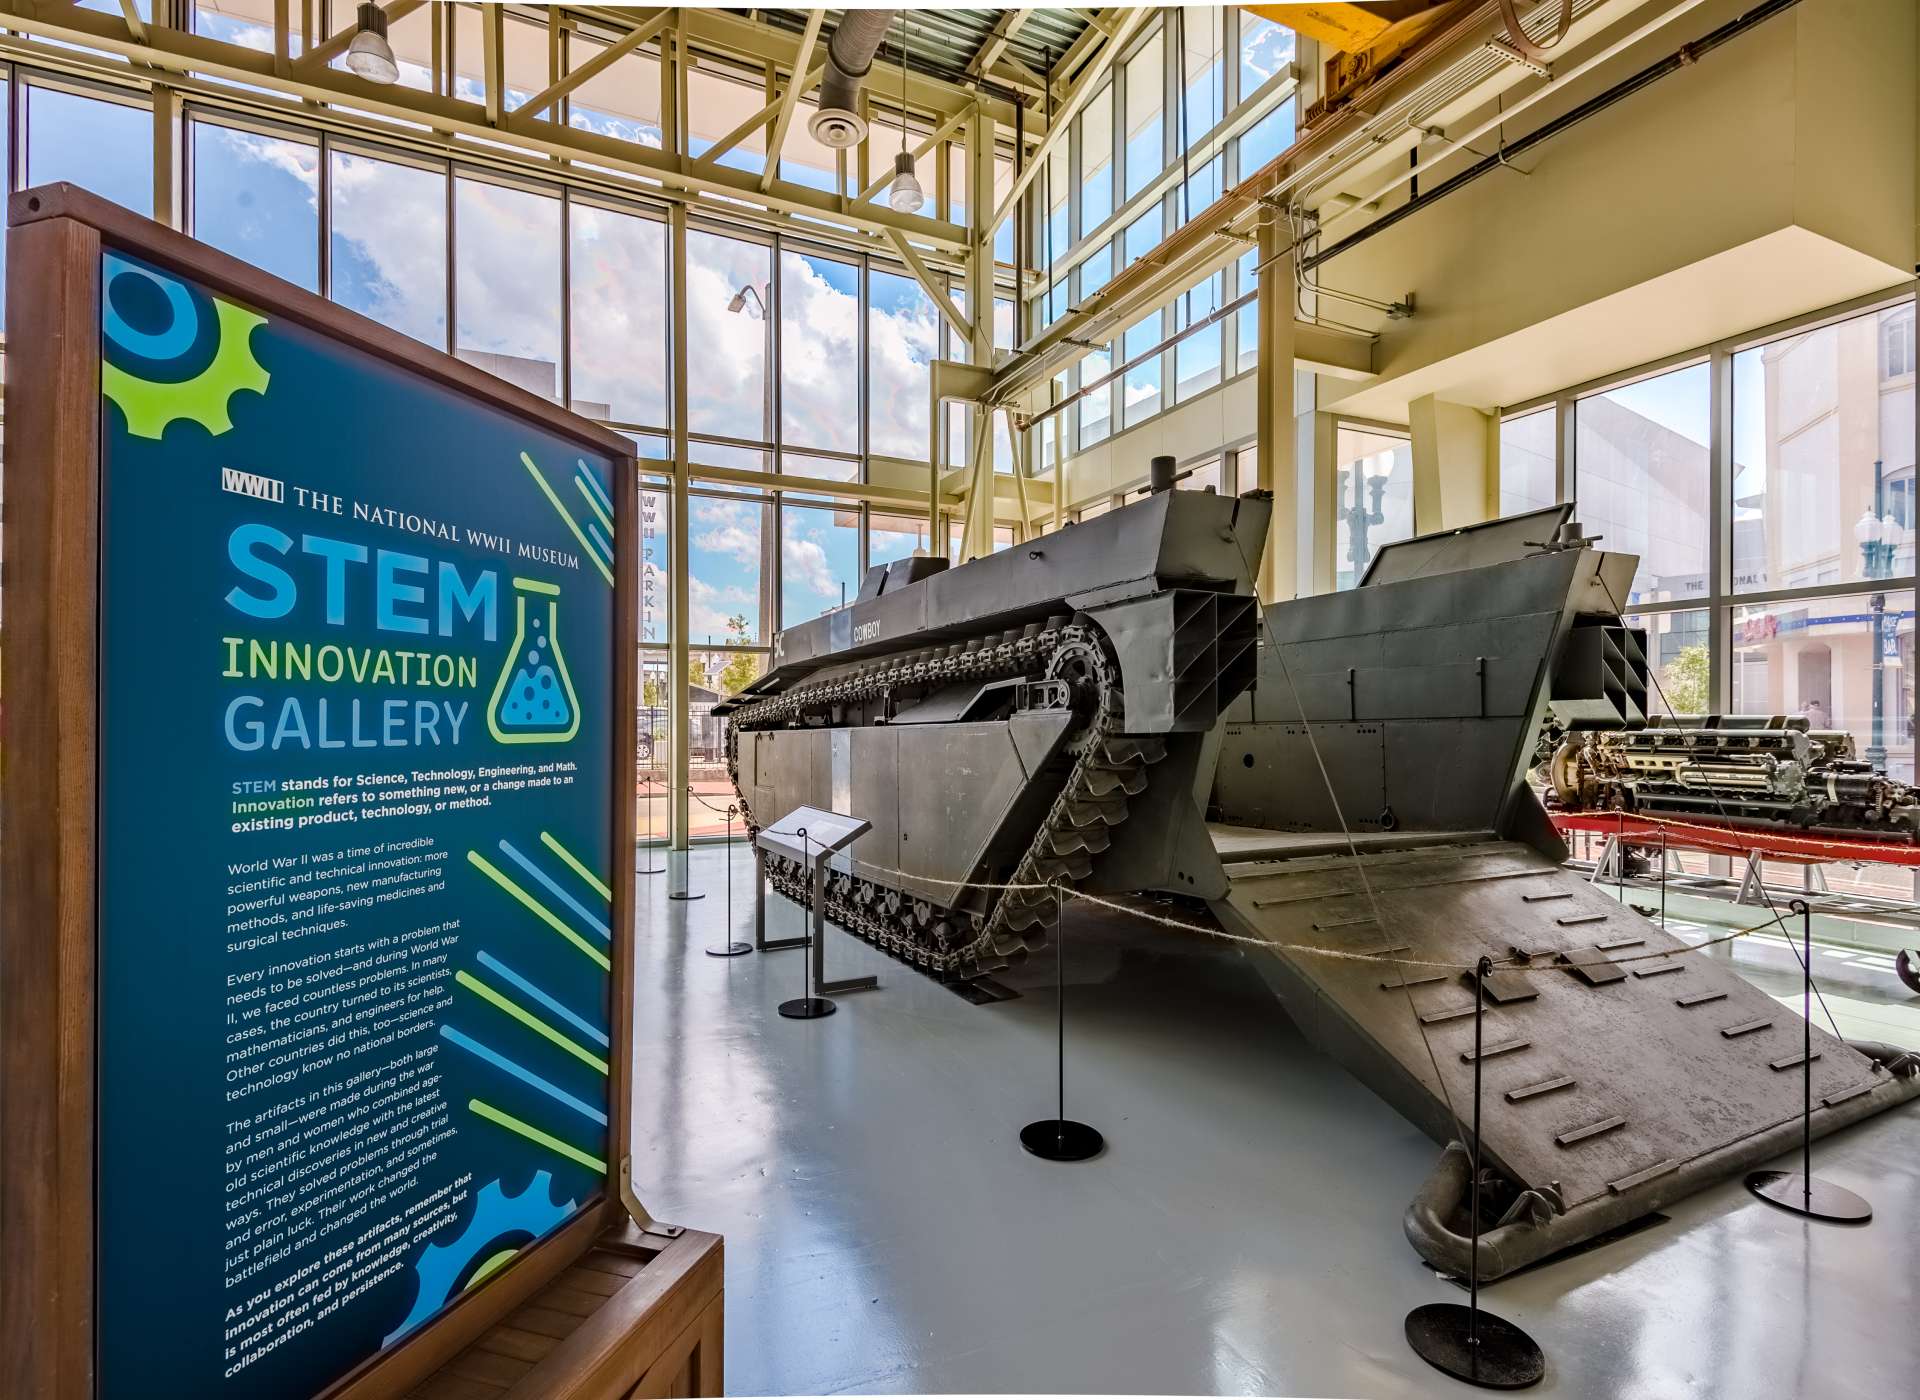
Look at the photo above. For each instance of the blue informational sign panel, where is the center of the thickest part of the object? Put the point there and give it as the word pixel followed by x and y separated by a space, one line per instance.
pixel 356 857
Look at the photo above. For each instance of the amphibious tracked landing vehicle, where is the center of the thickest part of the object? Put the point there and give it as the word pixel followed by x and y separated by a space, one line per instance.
pixel 1345 774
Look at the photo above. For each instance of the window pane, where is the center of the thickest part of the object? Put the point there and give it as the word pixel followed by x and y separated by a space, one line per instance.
pixel 1143 235
pixel 891 537
pixel 257 197
pixel 727 579
pixel 507 284
pixel 1677 644
pixel 1096 159
pixel 1247 318
pixel 1141 384
pixel 1056 188
pixel 728 337
pixel 903 333
pixel 1204 85
pixel 715 106
pixel 621 100
pixel 819 345
pixel 820 467
pixel 1003 235
pixel 1823 455
pixel 656 577
pixel 618 286
pixel 1196 359
pixel 1527 472
pixel 1821 659
pixel 1146 102
pixel 1096 409
pixel 389 244
pixel 819 560
pixel 1266 48
pixel 1266 138
pixel 1096 269
pixel 106 147
pixel 523 54
pixel 1373 498
pixel 1202 189
pixel 1640 479
pixel 1002 324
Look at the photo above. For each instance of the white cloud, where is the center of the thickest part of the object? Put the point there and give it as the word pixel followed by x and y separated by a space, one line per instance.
pixel 803 558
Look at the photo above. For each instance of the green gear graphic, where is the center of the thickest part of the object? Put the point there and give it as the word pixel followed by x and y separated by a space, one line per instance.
pixel 151 405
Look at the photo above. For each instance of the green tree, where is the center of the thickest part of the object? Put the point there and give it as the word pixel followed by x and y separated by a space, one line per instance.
pixel 1683 681
pixel 740 672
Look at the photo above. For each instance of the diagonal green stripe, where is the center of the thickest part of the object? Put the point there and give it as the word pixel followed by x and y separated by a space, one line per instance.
pixel 577 867
pixel 572 525
pixel 545 914
pixel 528 1019
pixel 594 506
pixel 533 1134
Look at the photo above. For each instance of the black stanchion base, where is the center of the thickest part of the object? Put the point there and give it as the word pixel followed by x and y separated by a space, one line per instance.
pixel 729 950
pixel 807 1008
pixel 1817 1199
pixel 1503 1358
pixel 684 896
pixel 1062 1140
pixel 649 869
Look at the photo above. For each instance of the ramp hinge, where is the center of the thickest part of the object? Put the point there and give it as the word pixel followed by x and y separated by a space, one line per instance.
pixel 642 1218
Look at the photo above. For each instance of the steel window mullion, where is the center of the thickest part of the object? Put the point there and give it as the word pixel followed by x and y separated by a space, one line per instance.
pixel 1719 526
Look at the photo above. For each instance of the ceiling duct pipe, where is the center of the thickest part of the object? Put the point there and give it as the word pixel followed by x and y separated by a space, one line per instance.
pixel 850 52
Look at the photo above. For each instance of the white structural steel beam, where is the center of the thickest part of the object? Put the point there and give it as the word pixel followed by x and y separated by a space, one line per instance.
pixel 648 28
pixel 1075 99
pixel 177 51
pixel 790 99
pixel 1011 23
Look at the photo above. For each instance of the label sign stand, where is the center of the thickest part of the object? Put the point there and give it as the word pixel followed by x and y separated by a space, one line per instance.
pixel 189 712
pixel 810 838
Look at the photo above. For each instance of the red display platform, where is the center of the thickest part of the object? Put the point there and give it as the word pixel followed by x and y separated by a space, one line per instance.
pixel 1727 839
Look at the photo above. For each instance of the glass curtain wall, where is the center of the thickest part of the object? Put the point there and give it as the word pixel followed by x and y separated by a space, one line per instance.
pixel 1146 156
pixel 1776 551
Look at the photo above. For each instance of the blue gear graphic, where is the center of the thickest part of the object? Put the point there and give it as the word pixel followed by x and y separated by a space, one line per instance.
pixel 495 1214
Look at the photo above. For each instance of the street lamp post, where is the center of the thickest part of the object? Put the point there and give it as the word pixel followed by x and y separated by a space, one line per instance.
pixel 757 302
pixel 1362 516
pixel 1878 536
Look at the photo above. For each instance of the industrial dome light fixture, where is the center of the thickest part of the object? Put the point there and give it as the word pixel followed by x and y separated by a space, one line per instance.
pixel 906 196
pixel 370 55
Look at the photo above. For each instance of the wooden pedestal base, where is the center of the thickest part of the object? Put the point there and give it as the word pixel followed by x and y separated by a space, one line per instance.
pixel 636 1317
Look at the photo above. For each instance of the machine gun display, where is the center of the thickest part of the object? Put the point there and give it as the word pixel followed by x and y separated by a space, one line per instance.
pixel 1343 778
pixel 1749 770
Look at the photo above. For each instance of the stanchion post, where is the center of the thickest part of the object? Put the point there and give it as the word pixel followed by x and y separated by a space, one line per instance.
pixel 1803 1193
pixel 1480 1348
pixel 647 782
pixel 729 946
pixel 1060 1139
pixel 1663 879
pixel 806 1007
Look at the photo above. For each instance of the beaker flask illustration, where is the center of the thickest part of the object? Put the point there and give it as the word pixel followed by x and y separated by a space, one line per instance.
pixel 534 701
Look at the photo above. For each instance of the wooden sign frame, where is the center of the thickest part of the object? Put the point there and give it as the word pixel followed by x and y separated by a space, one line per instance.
pixel 49 876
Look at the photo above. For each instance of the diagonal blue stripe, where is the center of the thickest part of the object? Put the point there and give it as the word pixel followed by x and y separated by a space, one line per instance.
pixel 553 889
pixel 600 540
pixel 579 1023
pixel 525 1076
pixel 593 485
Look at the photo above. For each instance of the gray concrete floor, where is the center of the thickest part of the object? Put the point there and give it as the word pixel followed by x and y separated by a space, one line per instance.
pixel 885 1233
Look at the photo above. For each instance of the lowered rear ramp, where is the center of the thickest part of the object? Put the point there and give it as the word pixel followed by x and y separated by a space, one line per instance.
pixel 1621 1070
